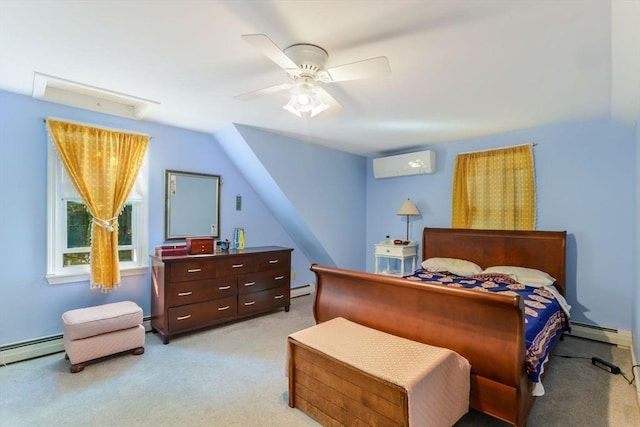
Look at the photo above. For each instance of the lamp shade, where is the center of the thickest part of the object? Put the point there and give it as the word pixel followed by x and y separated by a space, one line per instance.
pixel 408 208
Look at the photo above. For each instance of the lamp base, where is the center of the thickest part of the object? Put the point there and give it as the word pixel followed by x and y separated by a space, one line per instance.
pixel 407 228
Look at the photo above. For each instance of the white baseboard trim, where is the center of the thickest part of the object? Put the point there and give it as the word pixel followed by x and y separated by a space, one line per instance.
pixel 299 291
pixel 620 337
pixel 25 350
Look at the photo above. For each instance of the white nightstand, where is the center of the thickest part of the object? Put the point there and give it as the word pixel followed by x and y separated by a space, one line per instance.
pixel 399 252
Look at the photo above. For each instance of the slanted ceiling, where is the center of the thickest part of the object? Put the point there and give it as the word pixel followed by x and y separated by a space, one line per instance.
pixel 459 69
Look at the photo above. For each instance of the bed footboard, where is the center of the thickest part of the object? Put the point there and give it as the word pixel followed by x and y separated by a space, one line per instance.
pixel 487 329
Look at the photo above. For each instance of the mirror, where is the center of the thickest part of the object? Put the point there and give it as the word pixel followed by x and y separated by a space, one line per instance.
pixel 192 205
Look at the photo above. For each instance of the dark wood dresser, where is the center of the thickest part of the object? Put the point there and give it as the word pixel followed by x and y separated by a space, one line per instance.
pixel 196 291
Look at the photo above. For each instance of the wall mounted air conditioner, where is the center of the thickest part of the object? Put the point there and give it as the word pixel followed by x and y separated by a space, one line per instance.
pixel 405 164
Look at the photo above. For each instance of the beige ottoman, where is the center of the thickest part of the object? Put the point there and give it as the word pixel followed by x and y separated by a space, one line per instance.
pixel 103 330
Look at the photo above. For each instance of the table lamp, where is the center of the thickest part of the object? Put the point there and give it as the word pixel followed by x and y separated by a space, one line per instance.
pixel 408 209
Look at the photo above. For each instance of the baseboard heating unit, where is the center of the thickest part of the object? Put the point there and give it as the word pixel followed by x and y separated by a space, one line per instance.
pixel 30 349
pixel 620 337
pixel 299 291
pixel 25 350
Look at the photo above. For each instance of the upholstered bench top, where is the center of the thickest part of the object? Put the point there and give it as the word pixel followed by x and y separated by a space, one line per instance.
pixel 437 380
pixel 101 319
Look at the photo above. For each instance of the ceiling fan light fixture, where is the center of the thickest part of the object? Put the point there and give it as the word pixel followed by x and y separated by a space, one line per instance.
pixel 319 108
pixel 292 107
pixel 305 100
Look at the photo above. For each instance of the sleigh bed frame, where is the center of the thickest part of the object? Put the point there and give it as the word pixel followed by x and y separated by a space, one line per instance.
pixel 485 328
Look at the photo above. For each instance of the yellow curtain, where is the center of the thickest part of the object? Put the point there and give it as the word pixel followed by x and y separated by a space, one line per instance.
pixel 495 189
pixel 103 165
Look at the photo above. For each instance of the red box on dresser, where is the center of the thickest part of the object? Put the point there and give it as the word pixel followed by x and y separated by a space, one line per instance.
pixel 171 250
pixel 199 245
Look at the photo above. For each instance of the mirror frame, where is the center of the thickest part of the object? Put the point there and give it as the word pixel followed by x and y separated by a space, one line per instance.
pixel 196 210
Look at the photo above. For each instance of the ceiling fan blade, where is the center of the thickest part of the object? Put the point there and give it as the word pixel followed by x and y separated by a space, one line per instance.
pixel 269 49
pixel 374 67
pixel 264 91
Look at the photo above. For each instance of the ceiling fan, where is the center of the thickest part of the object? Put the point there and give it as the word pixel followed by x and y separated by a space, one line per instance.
pixel 305 65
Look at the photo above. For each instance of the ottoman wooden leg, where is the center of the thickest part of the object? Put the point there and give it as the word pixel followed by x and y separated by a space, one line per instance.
pixel 138 351
pixel 75 368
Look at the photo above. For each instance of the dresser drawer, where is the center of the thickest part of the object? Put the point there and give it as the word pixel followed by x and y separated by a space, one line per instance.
pixel 234 266
pixel 263 280
pixel 264 300
pixel 181 293
pixel 274 260
pixel 192 270
pixel 200 314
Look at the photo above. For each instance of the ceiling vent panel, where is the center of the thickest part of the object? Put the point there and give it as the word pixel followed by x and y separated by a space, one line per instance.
pixel 74 94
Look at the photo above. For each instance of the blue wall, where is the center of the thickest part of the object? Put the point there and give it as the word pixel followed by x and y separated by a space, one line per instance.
pixel 585 176
pixel 325 187
pixel 30 308
pixel 587 183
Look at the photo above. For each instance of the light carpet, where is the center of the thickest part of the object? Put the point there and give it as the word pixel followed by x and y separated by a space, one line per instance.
pixel 234 375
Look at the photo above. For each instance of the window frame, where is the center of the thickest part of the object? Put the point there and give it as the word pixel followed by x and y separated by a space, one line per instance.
pixel 57 273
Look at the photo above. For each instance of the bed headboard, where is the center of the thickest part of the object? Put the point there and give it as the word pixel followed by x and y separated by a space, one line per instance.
pixel 542 250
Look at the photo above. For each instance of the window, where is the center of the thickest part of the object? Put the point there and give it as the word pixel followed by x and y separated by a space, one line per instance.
pixel 77 247
pixel 69 227
pixel 495 189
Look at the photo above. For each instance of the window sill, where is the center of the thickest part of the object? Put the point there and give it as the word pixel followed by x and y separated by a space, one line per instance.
pixel 59 279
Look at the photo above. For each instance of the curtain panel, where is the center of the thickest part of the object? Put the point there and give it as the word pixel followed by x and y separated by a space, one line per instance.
pixel 103 165
pixel 495 189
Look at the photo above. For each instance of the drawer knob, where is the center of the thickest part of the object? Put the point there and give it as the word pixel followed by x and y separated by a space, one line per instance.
pixel 250 283
pixel 194 270
pixel 279 296
pixel 224 288
pixel 279 277
pixel 184 317
pixel 249 303
pixel 184 294
pixel 226 307
pixel 237 265
pixel 273 261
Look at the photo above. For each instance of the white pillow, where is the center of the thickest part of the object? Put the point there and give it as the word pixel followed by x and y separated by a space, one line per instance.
pixel 524 275
pixel 459 267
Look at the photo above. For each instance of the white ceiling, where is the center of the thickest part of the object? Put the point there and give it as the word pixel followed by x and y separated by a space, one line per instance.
pixel 460 69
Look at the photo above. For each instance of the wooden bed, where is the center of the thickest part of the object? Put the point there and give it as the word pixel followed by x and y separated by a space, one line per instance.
pixel 485 328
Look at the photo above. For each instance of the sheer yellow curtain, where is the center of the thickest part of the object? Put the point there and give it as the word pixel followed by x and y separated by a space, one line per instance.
pixel 103 165
pixel 495 189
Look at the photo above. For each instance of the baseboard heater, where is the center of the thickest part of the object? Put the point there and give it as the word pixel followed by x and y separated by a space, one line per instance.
pixel 25 350
pixel 620 337
pixel 299 291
